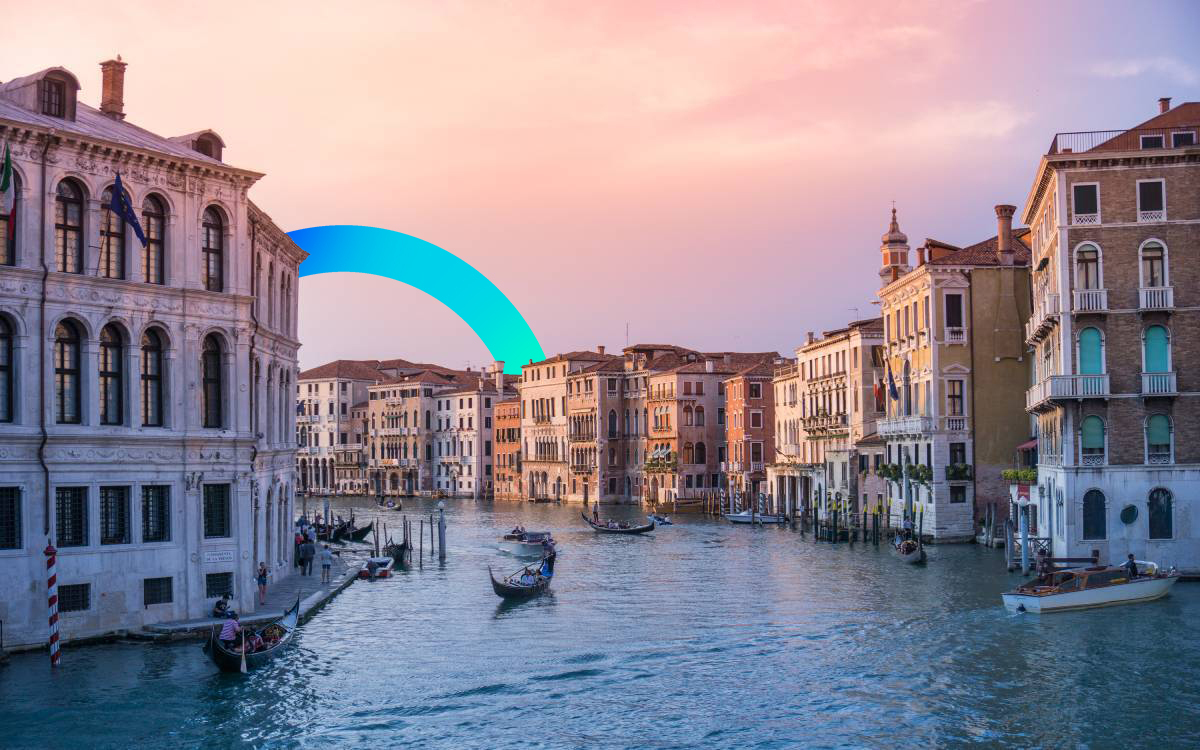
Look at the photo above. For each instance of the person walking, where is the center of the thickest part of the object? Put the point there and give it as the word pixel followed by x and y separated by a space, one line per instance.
pixel 299 540
pixel 261 578
pixel 326 564
pixel 307 550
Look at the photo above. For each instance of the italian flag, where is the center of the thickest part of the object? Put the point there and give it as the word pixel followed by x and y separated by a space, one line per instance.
pixel 8 187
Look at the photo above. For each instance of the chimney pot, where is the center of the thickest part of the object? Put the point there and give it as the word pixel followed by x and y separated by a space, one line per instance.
pixel 600 349
pixel 1004 217
pixel 112 88
pixel 1164 104
pixel 920 256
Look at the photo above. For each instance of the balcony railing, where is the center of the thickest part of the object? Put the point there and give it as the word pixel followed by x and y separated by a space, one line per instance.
pixel 1066 387
pixel 911 425
pixel 1085 219
pixel 1151 216
pixel 1044 315
pixel 1092 459
pixel 1091 300
pixel 955 335
pixel 956 424
pixel 1135 139
pixel 1158 384
pixel 1156 297
pixel 1159 458
pixel 756 466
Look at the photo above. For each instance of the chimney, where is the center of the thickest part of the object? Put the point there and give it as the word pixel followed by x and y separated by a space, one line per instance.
pixel 1164 104
pixel 112 89
pixel 708 365
pixel 728 358
pixel 600 350
pixel 920 256
pixel 1004 251
pixel 810 337
pixel 498 373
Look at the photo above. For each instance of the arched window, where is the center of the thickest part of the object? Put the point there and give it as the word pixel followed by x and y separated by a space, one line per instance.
pixel 112 376
pixel 112 239
pixel 1158 439
pixel 210 368
pixel 1157 350
pixel 1091 352
pixel 68 228
pixel 687 416
pixel 66 373
pixel 154 223
pixel 699 416
pixel 1087 267
pixel 152 379
pixel 1091 441
pixel 214 251
pixel 612 423
pixel 1154 265
pixel 6 370
pixel 1094 512
pixel 689 453
pixel 1161 507
pixel 8 226
pixel 701 453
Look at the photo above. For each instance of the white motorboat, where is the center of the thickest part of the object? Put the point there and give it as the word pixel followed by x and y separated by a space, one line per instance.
pixel 747 517
pixel 1084 588
pixel 377 567
pixel 525 544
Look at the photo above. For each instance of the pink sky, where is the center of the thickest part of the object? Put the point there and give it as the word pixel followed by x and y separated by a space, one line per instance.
pixel 715 174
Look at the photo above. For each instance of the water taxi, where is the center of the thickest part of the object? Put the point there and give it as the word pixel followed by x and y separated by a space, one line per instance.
pixel 747 517
pixel 1084 588
pixel 525 544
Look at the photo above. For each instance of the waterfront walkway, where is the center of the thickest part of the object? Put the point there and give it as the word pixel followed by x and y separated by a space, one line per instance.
pixel 312 594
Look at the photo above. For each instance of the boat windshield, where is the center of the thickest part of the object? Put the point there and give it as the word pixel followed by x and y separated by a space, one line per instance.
pixel 1106 578
pixel 1067 582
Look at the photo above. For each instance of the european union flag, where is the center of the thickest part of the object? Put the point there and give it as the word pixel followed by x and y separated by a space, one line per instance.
pixel 122 206
pixel 895 394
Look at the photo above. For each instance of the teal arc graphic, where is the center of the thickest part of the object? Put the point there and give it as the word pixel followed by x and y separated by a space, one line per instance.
pixel 425 266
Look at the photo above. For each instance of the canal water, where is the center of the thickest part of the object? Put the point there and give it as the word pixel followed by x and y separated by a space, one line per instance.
pixel 701 634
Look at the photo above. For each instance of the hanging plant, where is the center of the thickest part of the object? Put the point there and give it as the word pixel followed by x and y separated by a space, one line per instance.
pixel 920 474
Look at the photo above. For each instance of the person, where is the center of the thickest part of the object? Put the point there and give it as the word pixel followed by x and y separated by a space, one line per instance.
pixel 299 540
pixel 307 550
pixel 221 608
pixel 326 564
pixel 526 578
pixel 261 579
pixel 908 528
pixel 254 642
pixel 372 566
pixel 311 534
pixel 230 630
pixel 1131 567
pixel 596 514
pixel 548 563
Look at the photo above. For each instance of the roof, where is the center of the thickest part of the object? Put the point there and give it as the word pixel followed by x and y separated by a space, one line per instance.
pixel 616 364
pixel 872 439
pixel 584 356
pixel 345 369
pixel 737 361
pixel 1186 114
pixel 758 369
pixel 984 253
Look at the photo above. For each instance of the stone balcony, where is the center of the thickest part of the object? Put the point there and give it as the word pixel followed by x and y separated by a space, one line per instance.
pixel 1045 315
pixel 1066 388
pixel 1159 384
pixel 1089 300
pixel 1156 298
pixel 910 425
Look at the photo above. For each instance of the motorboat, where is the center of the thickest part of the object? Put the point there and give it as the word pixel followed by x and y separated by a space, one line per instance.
pixel 747 517
pixel 660 520
pixel 377 567
pixel 1084 588
pixel 525 543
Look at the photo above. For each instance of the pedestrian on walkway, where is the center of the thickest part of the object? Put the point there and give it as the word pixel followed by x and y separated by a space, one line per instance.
pixel 307 550
pixel 262 583
pixel 326 564
pixel 299 541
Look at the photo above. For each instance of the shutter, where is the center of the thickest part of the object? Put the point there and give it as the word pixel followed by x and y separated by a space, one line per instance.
pixel 1090 359
pixel 1093 433
pixel 1158 431
pixel 1157 355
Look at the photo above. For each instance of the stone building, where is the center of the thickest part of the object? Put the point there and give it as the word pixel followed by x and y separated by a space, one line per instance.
pixel 349 458
pixel 788 472
pixel 507 438
pixel 749 429
pixel 955 352
pixel 324 424
pixel 1116 391
pixel 145 388
pixel 464 445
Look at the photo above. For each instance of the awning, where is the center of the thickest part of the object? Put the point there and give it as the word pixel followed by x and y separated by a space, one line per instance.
pixel 1028 445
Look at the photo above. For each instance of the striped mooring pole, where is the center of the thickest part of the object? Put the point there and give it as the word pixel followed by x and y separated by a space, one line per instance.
pixel 52 600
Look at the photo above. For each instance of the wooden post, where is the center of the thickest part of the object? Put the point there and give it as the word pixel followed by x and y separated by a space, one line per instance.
pixel 421 548
pixel 441 535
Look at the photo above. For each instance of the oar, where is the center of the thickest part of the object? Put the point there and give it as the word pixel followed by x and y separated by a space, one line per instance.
pixel 243 651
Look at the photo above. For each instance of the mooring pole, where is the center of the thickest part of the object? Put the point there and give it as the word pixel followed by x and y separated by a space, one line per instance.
pixel 441 531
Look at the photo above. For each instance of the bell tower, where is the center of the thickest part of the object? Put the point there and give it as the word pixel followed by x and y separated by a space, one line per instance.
pixel 894 248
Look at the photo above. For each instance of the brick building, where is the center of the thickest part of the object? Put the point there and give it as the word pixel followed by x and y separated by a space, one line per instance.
pixel 749 428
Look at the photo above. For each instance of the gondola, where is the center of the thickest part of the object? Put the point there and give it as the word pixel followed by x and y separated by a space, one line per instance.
pixel 231 661
pixel 660 520
pixel 357 535
pixel 628 530
pixel 507 590
pixel 910 552
pixel 401 553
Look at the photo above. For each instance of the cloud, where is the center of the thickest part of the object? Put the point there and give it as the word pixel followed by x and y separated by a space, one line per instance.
pixel 1162 66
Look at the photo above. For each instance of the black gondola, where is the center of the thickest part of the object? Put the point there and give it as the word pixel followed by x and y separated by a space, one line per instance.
pixel 357 535
pixel 506 590
pixel 401 552
pixel 627 530
pixel 231 661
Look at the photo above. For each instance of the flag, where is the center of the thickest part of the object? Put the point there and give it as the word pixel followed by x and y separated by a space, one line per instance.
pixel 122 206
pixel 895 394
pixel 879 400
pixel 8 186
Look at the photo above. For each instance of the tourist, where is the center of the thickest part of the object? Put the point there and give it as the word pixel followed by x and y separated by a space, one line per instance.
pixel 230 630
pixel 307 551
pixel 299 541
pixel 261 578
pixel 326 564
pixel 1131 567
pixel 221 608
pixel 527 578
pixel 311 534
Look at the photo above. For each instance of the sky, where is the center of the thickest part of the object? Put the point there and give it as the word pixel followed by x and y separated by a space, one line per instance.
pixel 711 174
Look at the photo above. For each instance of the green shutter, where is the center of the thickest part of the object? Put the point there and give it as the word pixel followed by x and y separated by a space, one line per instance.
pixel 1093 433
pixel 1091 361
pixel 1158 431
pixel 1157 354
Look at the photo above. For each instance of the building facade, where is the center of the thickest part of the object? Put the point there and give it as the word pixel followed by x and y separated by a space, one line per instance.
pixel 324 423
pixel 507 437
pixel 145 387
pixel 749 429
pixel 789 473
pixel 1116 389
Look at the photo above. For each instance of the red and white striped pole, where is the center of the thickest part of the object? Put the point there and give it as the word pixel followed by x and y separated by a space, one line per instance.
pixel 52 599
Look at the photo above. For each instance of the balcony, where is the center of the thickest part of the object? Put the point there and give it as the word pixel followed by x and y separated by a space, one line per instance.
pixel 826 422
pixel 1150 217
pixel 1133 139
pixel 1043 318
pixel 582 437
pixel 582 468
pixel 956 424
pixel 756 466
pixel 911 425
pixel 959 472
pixel 1156 298
pixel 1093 459
pixel 956 335
pixel 1159 458
pixel 1085 219
pixel 1090 300
pixel 541 419
pixel 1066 388
pixel 1159 384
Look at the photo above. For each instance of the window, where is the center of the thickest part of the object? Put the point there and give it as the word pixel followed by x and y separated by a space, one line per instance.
pixel 156 591
pixel 756 419
pixel 1087 267
pixel 1186 138
pixel 1152 141
pixel 218 584
pixel 75 597
pixel 1157 350
pixel 54 98
pixel 216 511
pixel 958 453
pixel 1161 514
pixel 954 311
pixel 756 452
pixel 154 220
pixel 701 453
pixel 6 371
pixel 958 493
pixel 756 390
pixel 70 508
pixel 66 373
pixel 213 248
pixel 1154 271
pixel 156 514
pixel 1086 203
pixel 954 398
pixel 1158 439
pixel 1091 352
pixel 68 228
pixel 152 379
pixel 114 515
pixel 112 365
pixel 210 366
pixel 8 226
pixel 1091 440
pixel 612 423
pixel 112 239
pixel 720 415
pixel 10 518
pixel 1152 202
